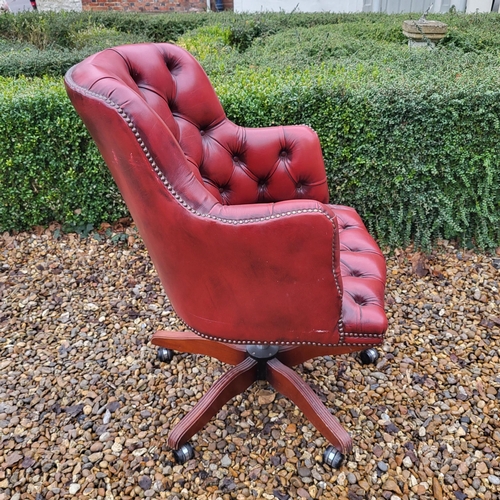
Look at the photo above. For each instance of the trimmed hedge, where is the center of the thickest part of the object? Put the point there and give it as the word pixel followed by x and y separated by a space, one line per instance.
pixel 48 29
pixel 21 59
pixel 50 169
pixel 410 137
pixel 51 28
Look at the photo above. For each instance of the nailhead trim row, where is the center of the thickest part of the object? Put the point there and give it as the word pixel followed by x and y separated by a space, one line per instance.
pixel 372 335
pixel 251 342
pixel 170 188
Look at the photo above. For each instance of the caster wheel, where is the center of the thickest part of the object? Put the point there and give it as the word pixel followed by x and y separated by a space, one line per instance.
pixel 184 453
pixel 165 355
pixel 333 457
pixel 369 357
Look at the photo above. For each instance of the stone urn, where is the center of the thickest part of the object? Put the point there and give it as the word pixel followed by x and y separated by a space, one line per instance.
pixel 423 32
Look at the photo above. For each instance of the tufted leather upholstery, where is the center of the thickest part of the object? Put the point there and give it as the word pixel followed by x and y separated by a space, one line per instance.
pixel 236 220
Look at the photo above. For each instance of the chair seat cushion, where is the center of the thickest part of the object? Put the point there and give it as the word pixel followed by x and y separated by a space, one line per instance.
pixel 363 274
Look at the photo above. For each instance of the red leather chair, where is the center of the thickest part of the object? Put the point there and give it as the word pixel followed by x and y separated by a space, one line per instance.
pixel 264 272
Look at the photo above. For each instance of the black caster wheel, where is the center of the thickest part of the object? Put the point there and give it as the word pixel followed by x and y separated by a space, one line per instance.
pixel 165 355
pixel 184 453
pixel 369 357
pixel 333 457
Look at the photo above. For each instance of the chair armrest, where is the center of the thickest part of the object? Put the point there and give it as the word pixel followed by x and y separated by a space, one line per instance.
pixel 363 270
pixel 264 165
pixel 275 264
pixel 293 159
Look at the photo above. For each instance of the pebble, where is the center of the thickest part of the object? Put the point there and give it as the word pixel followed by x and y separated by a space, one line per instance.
pixel 74 488
pixel 391 485
pixel 116 448
pixel 470 492
pixel 302 493
pixel 105 436
pixel 341 479
pixel 145 482
pixel 304 472
pixel 107 417
pixel 85 404
pixel 383 466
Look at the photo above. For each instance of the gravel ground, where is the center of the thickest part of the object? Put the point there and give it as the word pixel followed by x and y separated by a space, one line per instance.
pixel 85 407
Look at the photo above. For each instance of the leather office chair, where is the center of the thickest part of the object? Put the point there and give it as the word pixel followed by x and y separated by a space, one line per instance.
pixel 261 269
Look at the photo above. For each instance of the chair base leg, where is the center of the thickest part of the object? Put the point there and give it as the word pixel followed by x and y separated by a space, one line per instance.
pixel 247 369
pixel 291 385
pixel 232 383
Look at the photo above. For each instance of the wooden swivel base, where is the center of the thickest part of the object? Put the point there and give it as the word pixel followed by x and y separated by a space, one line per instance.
pixel 251 363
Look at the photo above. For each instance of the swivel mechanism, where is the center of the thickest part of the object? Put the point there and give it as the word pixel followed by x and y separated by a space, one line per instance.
pixel 262 354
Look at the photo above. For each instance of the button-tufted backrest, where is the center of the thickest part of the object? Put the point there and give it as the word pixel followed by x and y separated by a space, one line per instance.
pixel 218 153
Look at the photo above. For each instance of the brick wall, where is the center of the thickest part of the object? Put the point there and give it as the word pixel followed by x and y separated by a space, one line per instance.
pixel 146 5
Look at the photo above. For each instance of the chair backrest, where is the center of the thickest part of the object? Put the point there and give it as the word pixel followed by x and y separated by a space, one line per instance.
pixel 170 83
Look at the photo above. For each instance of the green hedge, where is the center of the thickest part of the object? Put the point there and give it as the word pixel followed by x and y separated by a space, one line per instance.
pixel 410 137
pixel 58 28
pixel 50 28
pixel 23 59
pixel 50 170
